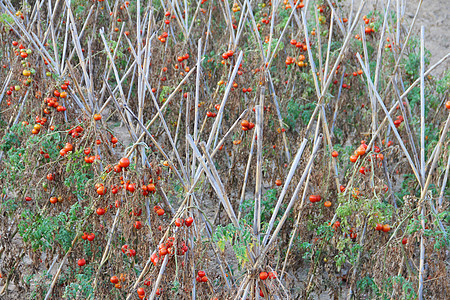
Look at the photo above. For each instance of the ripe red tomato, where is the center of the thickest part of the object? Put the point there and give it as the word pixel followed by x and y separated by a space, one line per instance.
pixel 334 153
pixel 154 259
pixel 50 177
pixel 101 190
pixel 68 147
pixel 151 187
pixel 91 237
pixel 204 279
pixel 404 241
pixel 163 251
pixel 160 212
pixel 100 211
pixel 315 198
pixel 179 222
pixel 263 275
pixel 379 227
pixel 131 188
pixel 201 274
pixel 138 225
pixel 81 262
pixel 386 228
pixel 141 291
pixel 114 279
pixel 362 170
pixel 189 221
pixel 28 199
pixel 124 162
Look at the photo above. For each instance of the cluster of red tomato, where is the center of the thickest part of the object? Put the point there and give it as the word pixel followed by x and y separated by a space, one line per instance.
pixel 315 198
pixel 88 236
pixel 210 114
pixel 128 251
pixel 359 152
pixel 384 228
pixel 352 233
pixel 116 281
pixel 201 277
pixel 398 121
pixel 167 248
pixel 228 54
pixel 53 101
pixel 264 275
pixel 368 29
pixel 162 37
pixel 67 148
pixel 74 132
pixel 246 125
pixel 188 222
pixel 300 45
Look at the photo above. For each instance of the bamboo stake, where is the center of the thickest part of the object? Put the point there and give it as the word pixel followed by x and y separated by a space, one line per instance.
pixel 55 278
pixel 358 258
pixel 422 104
pixel 444 184
pixel 218 119
pixel 106 251
pixel 247 169
pixel 291 202
pixel 291 173
pixel 259 135
pixel 302 202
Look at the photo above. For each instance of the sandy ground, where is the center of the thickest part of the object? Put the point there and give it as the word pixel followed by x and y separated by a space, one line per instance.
pixel 434 15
